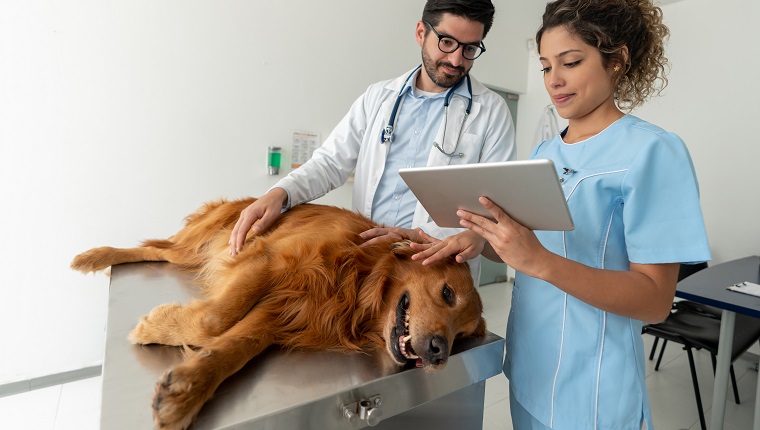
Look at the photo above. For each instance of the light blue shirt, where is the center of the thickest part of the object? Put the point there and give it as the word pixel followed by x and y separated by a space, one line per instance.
pixel 633 195
pixel 417 122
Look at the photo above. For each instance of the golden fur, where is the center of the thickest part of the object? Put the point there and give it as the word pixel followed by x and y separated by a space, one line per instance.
pixel 304 283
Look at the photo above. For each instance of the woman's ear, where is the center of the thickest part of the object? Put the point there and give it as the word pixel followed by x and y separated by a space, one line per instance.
pixel 622 62
pixel 624 54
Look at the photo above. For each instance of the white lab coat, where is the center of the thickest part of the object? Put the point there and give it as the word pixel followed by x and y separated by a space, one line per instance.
pixel 547 126
pixel 355 145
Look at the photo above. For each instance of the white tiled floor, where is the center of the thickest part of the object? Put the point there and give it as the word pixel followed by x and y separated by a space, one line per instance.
pixel 76 405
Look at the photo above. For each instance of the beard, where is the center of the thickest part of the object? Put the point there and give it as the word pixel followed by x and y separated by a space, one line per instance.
pixel 442 79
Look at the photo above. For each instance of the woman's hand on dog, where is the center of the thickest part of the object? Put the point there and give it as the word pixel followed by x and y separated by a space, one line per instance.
pixel 394 234
pixel 258 216
pixel 464 246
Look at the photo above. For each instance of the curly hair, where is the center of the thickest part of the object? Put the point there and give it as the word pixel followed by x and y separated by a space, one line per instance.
pixel 611 26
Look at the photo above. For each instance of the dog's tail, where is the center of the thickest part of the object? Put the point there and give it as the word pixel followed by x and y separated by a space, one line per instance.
pixel 98 259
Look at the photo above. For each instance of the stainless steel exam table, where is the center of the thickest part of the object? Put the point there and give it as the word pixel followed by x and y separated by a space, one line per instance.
pixel 280 390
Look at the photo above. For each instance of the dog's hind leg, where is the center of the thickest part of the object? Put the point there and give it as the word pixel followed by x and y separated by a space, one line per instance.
pixel 101 258
pixel 199 321
pixel 184 389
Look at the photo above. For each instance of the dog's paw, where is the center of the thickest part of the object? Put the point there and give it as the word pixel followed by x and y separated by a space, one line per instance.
pixel 93 260
pixel 159 326
pixel 180 395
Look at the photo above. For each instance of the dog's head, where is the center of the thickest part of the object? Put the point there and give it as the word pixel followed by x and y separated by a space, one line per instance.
pixel 426 307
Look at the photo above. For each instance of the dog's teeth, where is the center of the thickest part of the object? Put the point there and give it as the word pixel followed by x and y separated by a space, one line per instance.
pixel 406 338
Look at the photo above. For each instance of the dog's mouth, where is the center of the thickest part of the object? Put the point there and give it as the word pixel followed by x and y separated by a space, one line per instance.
pixel 402 347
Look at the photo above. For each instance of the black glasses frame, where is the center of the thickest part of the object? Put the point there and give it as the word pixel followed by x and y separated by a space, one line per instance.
pixel 464 46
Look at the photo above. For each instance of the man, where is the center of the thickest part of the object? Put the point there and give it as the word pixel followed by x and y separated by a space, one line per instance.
pixel 433 115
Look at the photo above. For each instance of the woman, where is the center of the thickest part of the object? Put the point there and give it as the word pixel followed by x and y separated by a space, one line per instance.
pixel 575 357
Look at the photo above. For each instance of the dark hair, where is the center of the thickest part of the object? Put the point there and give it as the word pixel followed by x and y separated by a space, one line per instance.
pixel 481 11
pixel 610 26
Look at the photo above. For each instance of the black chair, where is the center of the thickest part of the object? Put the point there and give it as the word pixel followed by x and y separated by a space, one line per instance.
pixel 684 271
pixel 697 326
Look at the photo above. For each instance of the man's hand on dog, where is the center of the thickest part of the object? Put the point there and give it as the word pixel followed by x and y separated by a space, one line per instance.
pixel 258 216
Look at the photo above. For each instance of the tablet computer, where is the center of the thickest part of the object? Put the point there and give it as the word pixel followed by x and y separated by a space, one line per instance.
pixel 528 191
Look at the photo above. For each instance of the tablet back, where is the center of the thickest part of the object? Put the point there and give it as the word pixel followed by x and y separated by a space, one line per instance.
pixel 529 191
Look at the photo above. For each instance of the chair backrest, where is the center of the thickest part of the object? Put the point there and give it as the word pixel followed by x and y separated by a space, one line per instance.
pixel 687 270
pixel 699 324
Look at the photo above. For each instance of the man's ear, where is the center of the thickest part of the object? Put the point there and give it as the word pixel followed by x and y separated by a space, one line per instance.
pixel 419 32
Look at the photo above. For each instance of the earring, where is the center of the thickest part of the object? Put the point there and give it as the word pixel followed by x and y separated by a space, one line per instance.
pixel 616 69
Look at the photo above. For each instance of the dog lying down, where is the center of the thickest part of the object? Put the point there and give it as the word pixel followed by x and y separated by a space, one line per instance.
pixel 304 283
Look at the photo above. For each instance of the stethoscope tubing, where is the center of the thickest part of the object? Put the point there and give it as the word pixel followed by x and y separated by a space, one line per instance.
pixel 387 133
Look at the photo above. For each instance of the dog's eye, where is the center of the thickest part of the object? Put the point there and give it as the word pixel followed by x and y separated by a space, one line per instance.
pixel 448 295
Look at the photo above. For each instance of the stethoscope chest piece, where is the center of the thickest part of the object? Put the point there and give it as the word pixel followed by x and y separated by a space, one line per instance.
pixel 387 134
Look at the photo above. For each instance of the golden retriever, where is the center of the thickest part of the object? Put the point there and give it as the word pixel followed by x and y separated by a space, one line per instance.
pixel 304 283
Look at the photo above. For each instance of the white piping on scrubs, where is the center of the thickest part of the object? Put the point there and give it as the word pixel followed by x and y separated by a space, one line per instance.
pixel 559 359
pixel 591 176
pixel 564 314
pixel 599 369
pixel 604 329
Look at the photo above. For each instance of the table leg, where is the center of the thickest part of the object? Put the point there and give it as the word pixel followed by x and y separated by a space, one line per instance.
pixel 725 344
pixel 756 425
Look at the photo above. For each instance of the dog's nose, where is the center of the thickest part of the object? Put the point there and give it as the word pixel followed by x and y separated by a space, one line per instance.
pixel 439 350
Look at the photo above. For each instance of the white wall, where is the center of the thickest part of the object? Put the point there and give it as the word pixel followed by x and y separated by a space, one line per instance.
pixel 712 103
pixel 119 118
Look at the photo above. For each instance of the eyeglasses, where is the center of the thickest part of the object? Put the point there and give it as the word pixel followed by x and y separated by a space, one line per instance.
pixel 448 45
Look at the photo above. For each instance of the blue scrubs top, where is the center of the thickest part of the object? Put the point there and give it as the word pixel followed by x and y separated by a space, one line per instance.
pixel 633 196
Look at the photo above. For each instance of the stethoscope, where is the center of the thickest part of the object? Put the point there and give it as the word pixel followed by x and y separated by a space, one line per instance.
pixel 387 134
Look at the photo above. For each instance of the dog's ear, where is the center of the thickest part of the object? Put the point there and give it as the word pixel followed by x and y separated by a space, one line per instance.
pixel 480 330
pixel 403 249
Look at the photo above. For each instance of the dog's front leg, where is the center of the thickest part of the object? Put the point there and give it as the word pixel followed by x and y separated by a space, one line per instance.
pixel 183 390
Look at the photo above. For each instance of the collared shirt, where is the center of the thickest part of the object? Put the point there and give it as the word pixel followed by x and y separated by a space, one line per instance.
pixel 416 124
